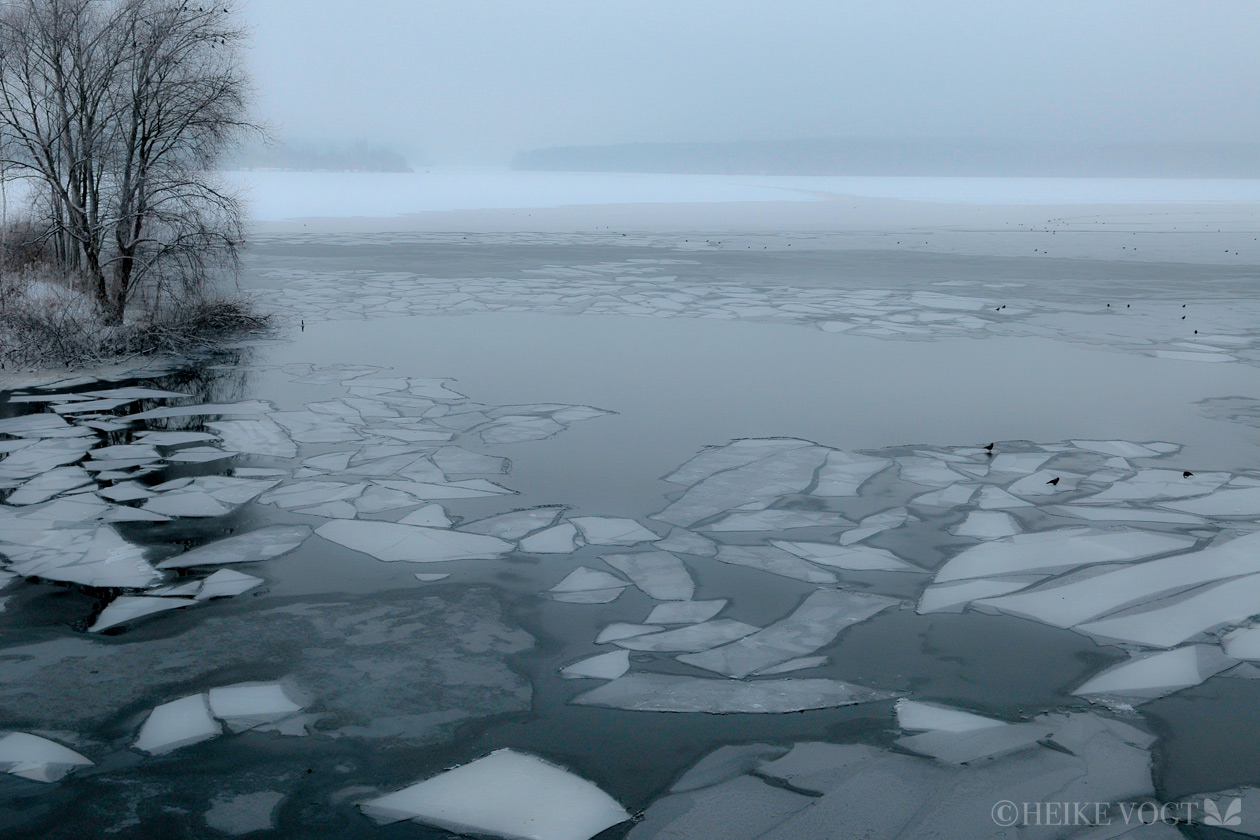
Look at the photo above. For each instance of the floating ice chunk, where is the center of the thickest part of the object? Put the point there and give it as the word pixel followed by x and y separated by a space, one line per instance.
pixel 391 541
pixel 312 427
pixel 379 499
pixel 815 623
pixel 165 439
pixel 1159 484
pixel 762 481
pixel 135 392
pixel 251 547
pixel 858 559
pixel 1148 677
pixel 256 437
pixel 454 490
pixel 1123 514
pixel 40 457
pixel 199 455
pixel 779 520
pixel 987 525
pixel 506 794
pixel 913 715
pixel 727 763
pixel 127 608
pixel 953 597
pixel 995 498
pixel 99 557
pixel 558 539
pixel 221 409
pixel 177 724
pixel 875 524
pixel 226 583
pixel 1176 619
pixel 608 530
pixel 961 747
pixel 776 561
pixel 946 497
pixel 38 759
pixel 32 425
pixel 299 494
pixel 682 541
pixel 457 460
pixel 583 579
pixel 735 454
pixel 429 577
pixel 1244 502
pixel 1059 549
pixel 673 693
pixel 1019 463
pixel 693 637
pixel 246 705
pixel 590 596
pixel 1243 643
pixel 686 612
pixel 430 516
pixel 43 487
pixel 658 574
pixel 801 663
pixel 1123 448
pixel 515 524
pixel 927 471
pixel 1068 604
pixel 520 428
pixel 844 472
pixel 617 631
pixel 212 495
pixel 1038 484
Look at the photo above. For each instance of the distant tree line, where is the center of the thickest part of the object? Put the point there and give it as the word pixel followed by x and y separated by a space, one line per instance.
pixel 357 157
pixel 907 157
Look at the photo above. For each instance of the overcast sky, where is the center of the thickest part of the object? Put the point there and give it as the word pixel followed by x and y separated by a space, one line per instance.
pixel 467 81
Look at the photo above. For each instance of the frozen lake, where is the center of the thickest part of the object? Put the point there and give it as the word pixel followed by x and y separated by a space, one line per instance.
pixel 708 518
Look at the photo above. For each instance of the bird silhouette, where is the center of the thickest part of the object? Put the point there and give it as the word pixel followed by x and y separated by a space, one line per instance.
pixel 1186 474
pixel 989 449
pixel 1054 480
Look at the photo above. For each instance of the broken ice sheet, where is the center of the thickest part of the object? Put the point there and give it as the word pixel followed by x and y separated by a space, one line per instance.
pixel 914 715
pixel 250 407
pixel 620 630
pixel 1159 484
pixel 954 597
pixel 778 520
pixel 391 541
pixel 255 437
pixel 431 516
pixel 1057 550
pixel 1244 502
pixel 692 637
pixel 1179 618
pixel 176 724
pixel 682 541
pixel 851 558
pixel 1155 675
pixel 963 746
pixel 673 693
pixel 506 794
pixel 686 612
pixel 605 666
pixel 947 497
pixel 874 524
pixel 457 460
pixel 515 524
pixel 558 539
pixel 600 587
pixel 927 471
pixel 1098 513
pixel 245 705
pixel 251 547
pixel 38 759
pixel 212 495
pixel 127 608
pixel 776 561
pixel 608 530
pixel 226 583
pixel 1243 643
pixel 658 574
pixel 299 494
pixel 815 623
pixel 43 487
pixel 844 472
pixel 1126 449
pixel 987 525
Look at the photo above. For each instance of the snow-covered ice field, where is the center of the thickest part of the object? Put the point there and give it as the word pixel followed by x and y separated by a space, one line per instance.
pixel 655 506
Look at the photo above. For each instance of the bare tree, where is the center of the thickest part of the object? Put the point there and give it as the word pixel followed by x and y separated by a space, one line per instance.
pixel 116 111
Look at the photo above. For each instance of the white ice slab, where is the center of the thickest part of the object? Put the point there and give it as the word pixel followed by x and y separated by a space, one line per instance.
pixel 953 597
pixel 256 437
pixel 251 547
pixel 927 471
pixel 776 561
pixel 851 558
pixel 682 541
pixel 1159 484
pixel 995 498
pixel 801 663
pixel 947 497
pixel 1019 463
pixel 43 487
pixel 471 489
pixel 608 530
pixel 300 494
pixel 975 744
pixel 38 759
pixel 778 520
pixel 1243 643
pixel 672 693
pixel 391 541
pixel 430 516
pixel 617 631
pixel 251 407
pixel 913 715
pixel 558 539
pixel 844 472
pixel 1156 675
pixel 1096 513
pixel 506 794
pixel 127 608
pixel 692 637
pixel 583 579
pixel 821 617
pixel 1245 502
pixel 1056 550
pixel 1179 618
pixel 789 471
pixel 177 724
pixel 659 574
pixel 605 666
pixel 1121 448
pixel 246 705
pixel 1038 484
pixel 515 524
pixel 226 583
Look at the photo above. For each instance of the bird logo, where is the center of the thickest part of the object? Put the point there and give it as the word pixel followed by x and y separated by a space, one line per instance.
pixel 1212 814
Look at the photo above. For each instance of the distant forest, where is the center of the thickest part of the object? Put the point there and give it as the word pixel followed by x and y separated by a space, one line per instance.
pixel 357 157
pixel 906 157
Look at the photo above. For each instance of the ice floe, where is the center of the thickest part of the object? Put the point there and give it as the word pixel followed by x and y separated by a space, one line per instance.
pixel 605 666
pixel 609 530
pixel 987 525
pixel 658 574
pixel 1049 551
pixel 391 541
pixel 1148 676
pixel 687 612
pixel 558 539
pixel 673 693
pixel 38 759
pixel 176 724
pixel 252 547
pixel 776 561
pixel 692 637
pixel 128 608
pixel 506 794
pixel 851 558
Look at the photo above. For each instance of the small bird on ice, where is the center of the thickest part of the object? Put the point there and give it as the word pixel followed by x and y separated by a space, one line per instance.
pixel 1186 474
pixel 1054 480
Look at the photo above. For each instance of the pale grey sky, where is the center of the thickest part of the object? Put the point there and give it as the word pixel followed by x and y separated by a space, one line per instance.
pixel 468 81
